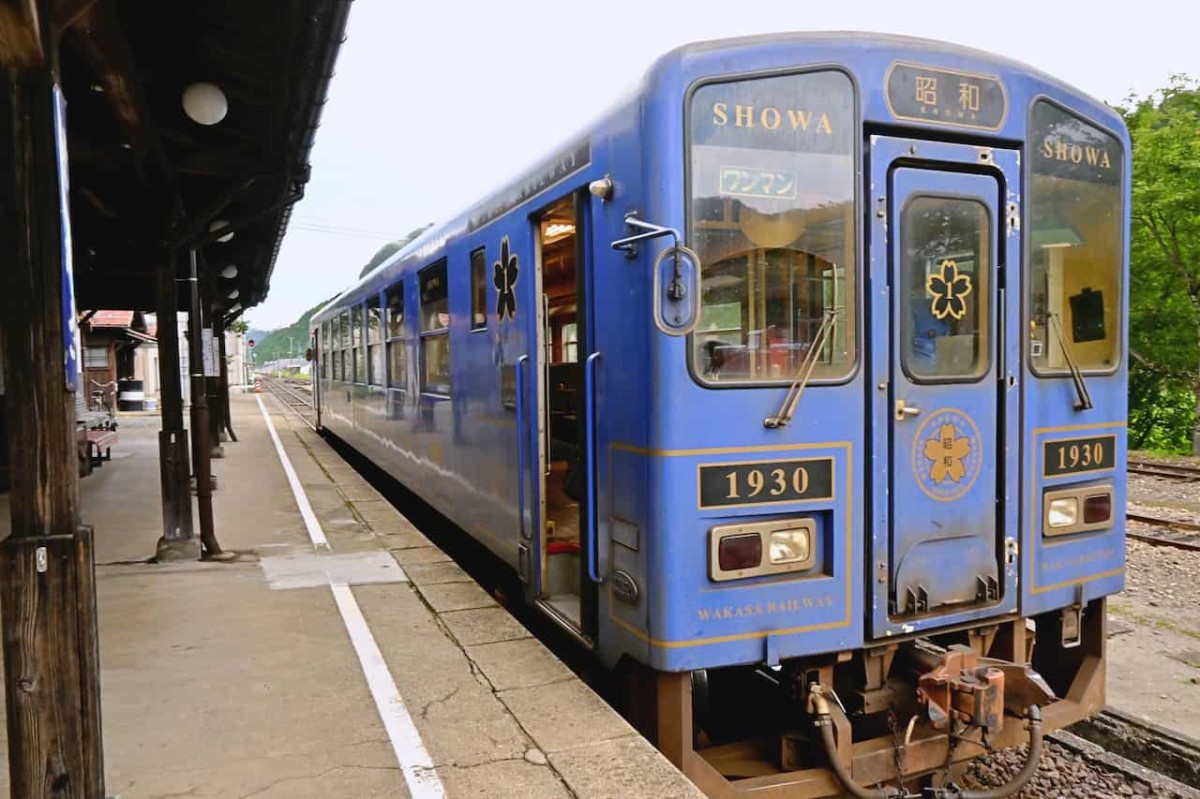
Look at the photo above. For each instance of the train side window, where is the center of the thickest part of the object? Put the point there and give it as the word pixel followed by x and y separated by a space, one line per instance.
pixel 435 329
pixel 479 289
pixel 375 365
pixel 333 351
pixel 397 353
pixel 1075 243
pixel 323 351
pixel 347 376
pixel 356 344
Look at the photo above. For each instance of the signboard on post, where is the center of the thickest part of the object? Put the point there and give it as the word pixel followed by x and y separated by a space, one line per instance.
pixel 211 367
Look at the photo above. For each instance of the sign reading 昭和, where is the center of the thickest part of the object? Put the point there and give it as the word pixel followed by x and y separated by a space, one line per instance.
pixel 945 97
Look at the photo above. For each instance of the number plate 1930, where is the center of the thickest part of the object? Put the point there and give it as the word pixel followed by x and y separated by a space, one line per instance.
pixel 1075 455
pixel 765 482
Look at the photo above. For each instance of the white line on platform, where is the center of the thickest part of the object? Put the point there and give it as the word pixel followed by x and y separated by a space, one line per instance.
pixel 414 761
pixel 310 519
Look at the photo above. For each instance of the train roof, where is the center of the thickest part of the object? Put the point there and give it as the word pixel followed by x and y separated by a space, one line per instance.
pixel 439 233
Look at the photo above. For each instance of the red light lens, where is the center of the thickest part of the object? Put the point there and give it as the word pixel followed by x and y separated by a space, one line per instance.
pixel 739 552
pixel 1097 509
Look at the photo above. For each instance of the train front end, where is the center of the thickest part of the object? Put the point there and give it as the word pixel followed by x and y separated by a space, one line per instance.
pixel 885 472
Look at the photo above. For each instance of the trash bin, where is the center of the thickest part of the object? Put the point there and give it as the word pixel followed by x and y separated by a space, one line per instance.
pixel 131 395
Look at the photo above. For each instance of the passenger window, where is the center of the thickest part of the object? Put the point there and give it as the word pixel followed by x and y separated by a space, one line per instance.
pixel 435 329
pixel 347 364
pixel 335 347
pixel 479 289
pixel 356 331
pixel 396 343
pixel 375 365
pixel 946 276
pixel 323 351
pixel 1075 242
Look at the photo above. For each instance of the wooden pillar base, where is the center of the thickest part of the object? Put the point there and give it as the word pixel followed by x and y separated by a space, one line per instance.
pixel 51 665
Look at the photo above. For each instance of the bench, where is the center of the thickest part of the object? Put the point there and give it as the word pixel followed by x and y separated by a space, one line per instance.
pixel 100 440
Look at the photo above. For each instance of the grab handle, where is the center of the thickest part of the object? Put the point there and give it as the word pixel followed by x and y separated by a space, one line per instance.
pixel 520 368
pixel 589 419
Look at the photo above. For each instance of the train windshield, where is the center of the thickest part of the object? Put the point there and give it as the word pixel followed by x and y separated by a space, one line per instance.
pixel 1075 244
pixel 772 219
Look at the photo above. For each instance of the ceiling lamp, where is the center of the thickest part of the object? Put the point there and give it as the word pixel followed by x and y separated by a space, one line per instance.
pixel 232 295
pixel 237 306
pixel 229 272
pixel 220 224
pixel 204 103
pixel 558 229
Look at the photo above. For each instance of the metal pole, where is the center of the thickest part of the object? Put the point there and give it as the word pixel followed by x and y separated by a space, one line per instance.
pixel 178 541
pixel 201 446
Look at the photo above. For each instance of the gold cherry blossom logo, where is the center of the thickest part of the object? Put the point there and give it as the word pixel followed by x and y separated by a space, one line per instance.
pixel 949 291
pixel 947 454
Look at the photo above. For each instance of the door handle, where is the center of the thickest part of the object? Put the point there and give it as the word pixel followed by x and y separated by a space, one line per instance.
pixel 904 410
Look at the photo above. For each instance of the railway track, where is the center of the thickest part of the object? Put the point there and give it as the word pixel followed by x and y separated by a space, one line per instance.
pixel 1139 747
pixel 1166 532
pixel 1169 471
pixel 294 397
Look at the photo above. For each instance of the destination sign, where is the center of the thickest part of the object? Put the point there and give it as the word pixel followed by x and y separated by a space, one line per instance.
pixel 765 482
pixel 1075 455
pixel 1065 146
pixel 945 97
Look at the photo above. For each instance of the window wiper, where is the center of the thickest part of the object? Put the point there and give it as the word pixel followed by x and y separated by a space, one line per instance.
pixel 1085 397
pixel 802 374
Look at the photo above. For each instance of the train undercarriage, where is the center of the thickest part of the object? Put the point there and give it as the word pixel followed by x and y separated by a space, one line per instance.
pixel 899 719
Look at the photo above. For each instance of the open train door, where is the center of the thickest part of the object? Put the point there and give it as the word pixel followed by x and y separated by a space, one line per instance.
pixel 563 368
pixel 942 415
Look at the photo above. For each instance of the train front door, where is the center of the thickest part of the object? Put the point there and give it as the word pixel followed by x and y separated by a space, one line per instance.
pixel 564 362
pixel 942 230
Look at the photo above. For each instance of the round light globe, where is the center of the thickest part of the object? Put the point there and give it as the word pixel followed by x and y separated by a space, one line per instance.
pixel 205 103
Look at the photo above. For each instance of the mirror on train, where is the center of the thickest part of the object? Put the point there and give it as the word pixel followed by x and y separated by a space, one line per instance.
pixel 676 290
pixel 676 276
pixel 308 354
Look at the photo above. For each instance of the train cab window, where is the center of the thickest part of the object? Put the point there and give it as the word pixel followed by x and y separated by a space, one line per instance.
pixel 1075 243
pixel 772 218
pixel 435 329
pixel 356 344
pixel 946 275
pixel 375 365
pixel 397 353
pixel 479 289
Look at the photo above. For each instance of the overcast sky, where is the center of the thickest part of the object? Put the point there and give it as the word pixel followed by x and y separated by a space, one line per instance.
pixel 434 104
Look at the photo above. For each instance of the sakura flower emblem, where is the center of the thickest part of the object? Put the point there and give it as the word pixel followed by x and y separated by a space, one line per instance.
pixel 949 291
pixel 504 278
pixel 947 452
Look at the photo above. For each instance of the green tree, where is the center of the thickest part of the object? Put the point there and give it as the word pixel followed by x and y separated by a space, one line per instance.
pixel 1165 265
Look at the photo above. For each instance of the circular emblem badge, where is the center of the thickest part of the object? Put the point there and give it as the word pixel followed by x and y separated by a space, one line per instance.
pixel 947 454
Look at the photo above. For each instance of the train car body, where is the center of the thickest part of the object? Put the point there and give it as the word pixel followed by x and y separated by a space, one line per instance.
pixel 809 358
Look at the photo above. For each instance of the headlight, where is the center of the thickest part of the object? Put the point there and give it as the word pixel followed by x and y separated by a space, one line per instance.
pixel 762 549
pixel 789 546
pixel 1062 512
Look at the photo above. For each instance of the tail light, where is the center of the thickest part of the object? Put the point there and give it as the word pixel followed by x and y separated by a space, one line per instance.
pixel 739 552
pixel 1097 508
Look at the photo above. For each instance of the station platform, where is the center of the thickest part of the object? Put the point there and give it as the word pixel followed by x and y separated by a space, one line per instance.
pixel 373 667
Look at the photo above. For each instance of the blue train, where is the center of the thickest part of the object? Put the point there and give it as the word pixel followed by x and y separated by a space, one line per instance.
pixel 795 388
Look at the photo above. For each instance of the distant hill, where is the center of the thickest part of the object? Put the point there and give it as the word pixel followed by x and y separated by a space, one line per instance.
pixel 286 342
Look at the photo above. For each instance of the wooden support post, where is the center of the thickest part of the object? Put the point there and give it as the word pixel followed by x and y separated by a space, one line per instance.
pixel 201 447
pixel 47 582
pixel 178 540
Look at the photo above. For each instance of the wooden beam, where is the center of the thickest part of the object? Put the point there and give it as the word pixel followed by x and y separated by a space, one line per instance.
pixel 47 589
pixel 20 34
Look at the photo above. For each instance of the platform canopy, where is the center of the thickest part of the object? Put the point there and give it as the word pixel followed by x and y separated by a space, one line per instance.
pixel 182 115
